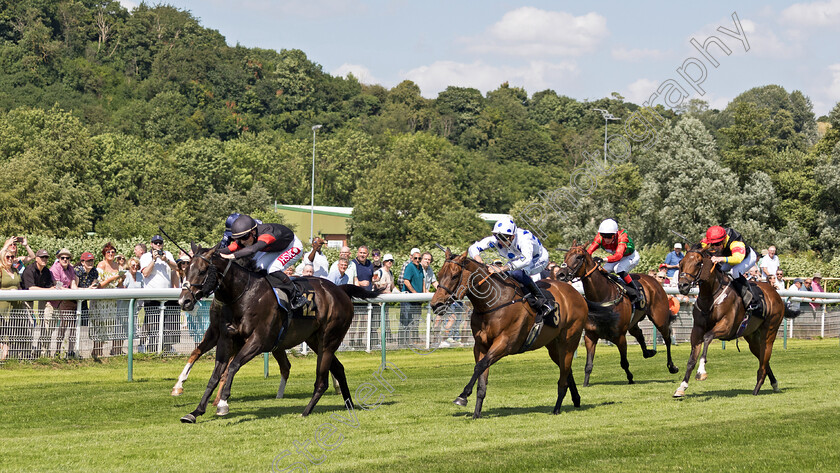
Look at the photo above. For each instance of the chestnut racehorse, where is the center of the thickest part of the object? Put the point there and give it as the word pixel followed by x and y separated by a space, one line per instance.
pixel 599 289
pixel 719 311
pixel 260 325
pixel 502 320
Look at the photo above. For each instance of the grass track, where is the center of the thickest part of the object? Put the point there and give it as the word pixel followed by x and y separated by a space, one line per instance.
pixel 86 417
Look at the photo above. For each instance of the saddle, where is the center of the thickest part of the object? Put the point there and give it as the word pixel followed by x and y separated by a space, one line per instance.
pixel 304 287
pixel 758 296
pixel 641 301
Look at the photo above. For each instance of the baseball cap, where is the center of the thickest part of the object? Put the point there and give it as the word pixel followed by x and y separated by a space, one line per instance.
pixel 678 245
pixel 86 256
pixel 799 280
pixel 414 250
pixel 42 252
pixel 387 257
pixel 157 238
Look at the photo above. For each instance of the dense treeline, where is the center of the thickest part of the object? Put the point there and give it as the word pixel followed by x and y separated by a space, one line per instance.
pixel 117 122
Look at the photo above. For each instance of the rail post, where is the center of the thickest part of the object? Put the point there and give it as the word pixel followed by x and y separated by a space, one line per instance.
pixel 160 330
pixel 78 330
pixel 131 305
pixel 383 319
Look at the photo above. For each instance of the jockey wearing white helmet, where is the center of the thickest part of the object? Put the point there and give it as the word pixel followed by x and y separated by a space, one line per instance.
pixel 623 255
pixel 526 258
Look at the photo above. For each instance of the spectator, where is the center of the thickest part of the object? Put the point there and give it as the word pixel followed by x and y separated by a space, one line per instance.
pixel 340 275
pixel 546 272
pixel 37 277
pixel 18 262
pixel 672 261
pixel 120 259
pixel 157 266
pixel 412 283
pixel 401 276
pixel 376 258
pixel 429 278
pixel 88 279
pixel 111 324
pixel 63 314
pixel 652 273
pixel 807 285
pixel 555 272
pixel 10 279
pixel 364 268
pixel 308 270
pixel 351 270
pixel 383 278
pixel 662 277
pixel 771 280
pixel 139 250
pixel 780 280
pixel 133 276
pixel 754 274
pixel 290 271
pixel 769 263
pixel 798 285
pixel 316 258
pixel 816 287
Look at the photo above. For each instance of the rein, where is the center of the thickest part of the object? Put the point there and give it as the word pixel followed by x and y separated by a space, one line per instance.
pixel 218 281
pixel 457 284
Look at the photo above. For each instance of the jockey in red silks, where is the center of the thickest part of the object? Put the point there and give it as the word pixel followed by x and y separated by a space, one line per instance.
pixel 623 255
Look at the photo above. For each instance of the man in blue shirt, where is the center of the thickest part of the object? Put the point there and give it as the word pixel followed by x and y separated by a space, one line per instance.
pixel 672 261
pixel 412 283
pixel 339 275
pixel 364 269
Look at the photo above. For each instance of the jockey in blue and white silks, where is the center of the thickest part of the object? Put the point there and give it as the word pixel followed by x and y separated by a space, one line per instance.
pixel 525 256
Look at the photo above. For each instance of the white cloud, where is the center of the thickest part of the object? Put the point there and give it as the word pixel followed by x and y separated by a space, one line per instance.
pixel 639 91
pixel 833 89
pixel 529 31
pixel 305 9
pixel 535 76
pixel 128 4
pixel 762 40
pixel 360 72
pixel 813 14
pixel 632 55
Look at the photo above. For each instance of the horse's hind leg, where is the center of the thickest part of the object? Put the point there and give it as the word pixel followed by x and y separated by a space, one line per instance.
pixel 211 336
pixel 337 370
pixel 640 337
pixel 554 351
pixel 622 350
pixel 665 330
pixel 761 350
pixel 285 368
pixel 591 340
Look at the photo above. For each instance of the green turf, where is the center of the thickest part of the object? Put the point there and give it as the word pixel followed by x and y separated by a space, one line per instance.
pixel 87 417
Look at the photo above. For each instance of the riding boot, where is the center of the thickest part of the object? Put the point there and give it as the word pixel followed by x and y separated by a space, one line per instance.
pixel 539 303
pixel 280 280
pixel 629 287
pixel 744 289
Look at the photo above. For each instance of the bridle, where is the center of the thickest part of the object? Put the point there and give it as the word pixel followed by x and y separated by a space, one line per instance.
pixel 456 282
pixel 211 278
pixel 459 289
pixel 570 273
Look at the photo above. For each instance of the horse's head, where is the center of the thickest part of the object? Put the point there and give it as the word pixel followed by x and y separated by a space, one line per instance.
pixel 696 266
pixel 576 263
pixel 451 282
pixel 201 277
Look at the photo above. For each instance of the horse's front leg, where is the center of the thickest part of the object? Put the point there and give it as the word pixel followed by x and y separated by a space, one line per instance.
pixel 719 330
pixel 253 347
pixel 696 340
pixel 591 341
pixel 479 351
pixel 221 364
pixel 480 393
pixel 499 349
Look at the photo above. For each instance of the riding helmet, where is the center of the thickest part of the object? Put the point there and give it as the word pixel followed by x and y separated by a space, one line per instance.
pixel 242 226
pixel 608 226
pixel 714 234
pixel 504 226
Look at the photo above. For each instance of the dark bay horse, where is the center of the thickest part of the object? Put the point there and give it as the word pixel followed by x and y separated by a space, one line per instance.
pixel 600 290
pixel 502 320
pixel 719 311
pixel 258 324
pixel 220 315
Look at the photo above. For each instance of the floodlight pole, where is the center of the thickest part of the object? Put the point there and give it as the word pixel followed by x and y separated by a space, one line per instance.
pixel 312 185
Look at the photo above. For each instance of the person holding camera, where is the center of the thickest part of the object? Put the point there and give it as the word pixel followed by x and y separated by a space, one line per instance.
pixel 18 262
pixel 157 266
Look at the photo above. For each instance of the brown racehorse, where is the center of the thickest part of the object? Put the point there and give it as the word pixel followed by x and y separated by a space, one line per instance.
pixel 502 320
pixel 260 325
pixel 719 311
pixel 599 289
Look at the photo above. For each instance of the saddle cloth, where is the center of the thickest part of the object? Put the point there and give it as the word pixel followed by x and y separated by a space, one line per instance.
pixel 641 301
pixel 303 285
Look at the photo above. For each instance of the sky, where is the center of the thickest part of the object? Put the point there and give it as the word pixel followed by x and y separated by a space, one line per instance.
pixel 585 50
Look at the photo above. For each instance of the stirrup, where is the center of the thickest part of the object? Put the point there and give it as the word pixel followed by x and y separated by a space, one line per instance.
pixel 297 301
pixel 743 326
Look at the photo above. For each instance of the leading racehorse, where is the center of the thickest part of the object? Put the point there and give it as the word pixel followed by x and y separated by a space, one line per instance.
pixel 502 320
pixel 623 319
pixel 719 311
pixel 259 324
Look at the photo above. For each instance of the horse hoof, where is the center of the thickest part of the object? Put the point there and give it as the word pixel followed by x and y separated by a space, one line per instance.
pixel 673 370
pixel 630 381
pixel 680 393
pixel 776 388
pixel 188 419
pixel 177 391
pixel 460 401
pixel 649 353
pixel 701 376
pixel 222 410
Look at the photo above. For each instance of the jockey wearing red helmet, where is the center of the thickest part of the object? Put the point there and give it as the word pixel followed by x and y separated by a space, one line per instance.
pixel 727 248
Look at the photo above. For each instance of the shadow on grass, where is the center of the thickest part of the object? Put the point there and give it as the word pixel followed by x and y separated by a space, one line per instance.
pixel 624 383
pixel 515 411
pixel 246 415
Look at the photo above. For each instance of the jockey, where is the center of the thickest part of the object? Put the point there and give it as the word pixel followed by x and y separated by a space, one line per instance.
pixel 727 247
pixel 227 239
pixel 623 255
pixel 274 248
pixel 526 258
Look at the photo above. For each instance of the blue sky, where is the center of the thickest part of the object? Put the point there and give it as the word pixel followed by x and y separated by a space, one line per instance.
pixel 585 51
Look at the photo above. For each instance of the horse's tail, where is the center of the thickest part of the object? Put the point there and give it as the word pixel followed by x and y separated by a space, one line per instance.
pixel 790 313
pixel 359 292
pixel 604 318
